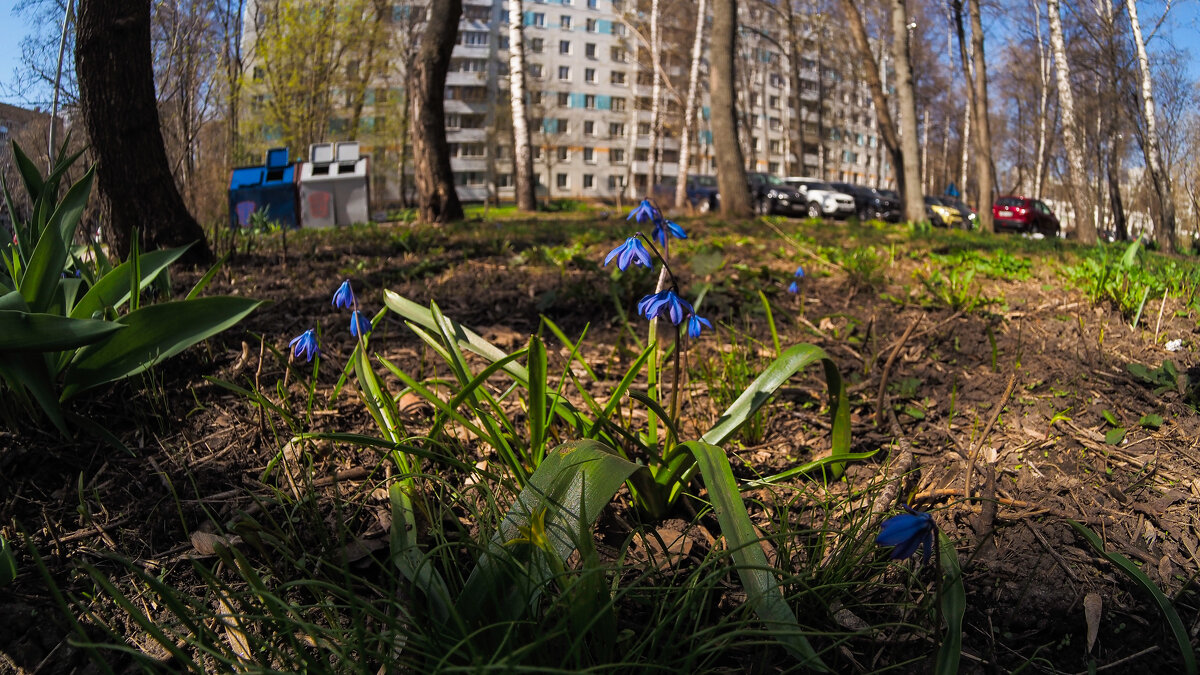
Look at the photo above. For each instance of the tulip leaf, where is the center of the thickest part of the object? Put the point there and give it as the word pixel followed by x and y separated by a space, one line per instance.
pixel 954 606
pixel 28 370
pixel 112 290
pixel 763 592
pixel 31 332
pixel 157 332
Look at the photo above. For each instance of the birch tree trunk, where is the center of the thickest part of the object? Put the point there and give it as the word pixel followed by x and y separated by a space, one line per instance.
pixel 523 182
pixel 731 172
pixel 983 132
pixel 437 200
pixel 914 201
pixel 1164 232
pixel 1085 228
pixel 883 114
pixel 655 95
pixel 1043 101
pixel 689 109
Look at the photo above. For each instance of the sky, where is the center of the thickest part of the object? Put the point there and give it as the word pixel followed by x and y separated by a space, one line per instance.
pixel 1184 31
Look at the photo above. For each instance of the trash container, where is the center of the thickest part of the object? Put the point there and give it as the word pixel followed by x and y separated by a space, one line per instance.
pixel 334 186
pixel 270 189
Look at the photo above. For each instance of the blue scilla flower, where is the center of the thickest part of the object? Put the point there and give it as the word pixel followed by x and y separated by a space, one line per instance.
pixel 799 272
pixel 665 304
pixel 305 344
pixel 632 251
pixel 695 323
pixel 344 296
pixel 360 325
pixel 644 211
pixel 663 227
pixel 793 288
pixel 907 532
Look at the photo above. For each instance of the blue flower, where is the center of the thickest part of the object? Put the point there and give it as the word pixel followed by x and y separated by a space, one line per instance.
pixel 344 297
pixel 907 532
pixel 632 251
pixel 644 211
pixel 799 273
pixel 665 304
pixel 662 227
pixel 695 323
pixel 793 288
pixel 360 325
pixel 305 344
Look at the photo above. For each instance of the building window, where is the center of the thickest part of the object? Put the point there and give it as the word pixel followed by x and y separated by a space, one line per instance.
pixel 469 178
pixel 591 4
pixel 564 72
pixel 616 182
pixel 643 128
pixel 618 104
pixel 589 181
pixel 616 156
pixel 773 167
pixel 589 128
pixel 564 46
pixel 591 25
pixel 775 124
pixel 564 22
pixel 773 101
pixel 757 143
pixel 468 150
pixel 641 154
pixel 775 148
pixel 539 19
pixel 561 181
pixel 504 180
pixel 589 102
pixel 535 70
pixel 617 54
pixel 562 126
pixel 617 78
pixel 589 50
pixel 618 28
pixel 473 38
pixel 616 129
pixel 535 97
pixel 589 75
pixel 589 155
pixel 564 99
pixel 564 153
pixel 536 45
pixel 537 154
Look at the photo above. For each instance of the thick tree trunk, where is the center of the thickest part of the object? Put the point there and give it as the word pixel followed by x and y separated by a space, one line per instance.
pixel 1085 228
pixel 883 114
pixel 437 200
pixel 1165 230
pixel 523 181
pixel 983 131
pixel 689 109
pixel 116 91
pixel 731 172
pixel 914 201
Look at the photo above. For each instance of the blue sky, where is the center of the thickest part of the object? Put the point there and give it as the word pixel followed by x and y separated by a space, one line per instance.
pixel 1183 30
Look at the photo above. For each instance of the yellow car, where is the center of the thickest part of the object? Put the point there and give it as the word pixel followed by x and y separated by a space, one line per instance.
pixel 942 215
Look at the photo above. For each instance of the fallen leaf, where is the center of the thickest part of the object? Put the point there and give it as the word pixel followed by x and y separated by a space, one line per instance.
pixel 206 543
pixel 1092 604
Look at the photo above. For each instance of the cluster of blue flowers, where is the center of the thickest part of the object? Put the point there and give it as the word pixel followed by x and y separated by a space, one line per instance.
pixel 306 344
pixel 665 304
pixel 794 288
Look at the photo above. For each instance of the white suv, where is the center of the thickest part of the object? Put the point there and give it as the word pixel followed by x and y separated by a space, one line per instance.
pixel 823 199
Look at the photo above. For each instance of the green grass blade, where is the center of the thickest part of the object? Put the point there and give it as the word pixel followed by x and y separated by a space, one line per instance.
pixel 1164 605
pixel 572 346
pixel 8 563
pixel 763 593
pixel 771 323
pixel 954 606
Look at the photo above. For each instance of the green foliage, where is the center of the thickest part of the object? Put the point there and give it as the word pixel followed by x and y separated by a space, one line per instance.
pixel 866 267
pixel 952 288
pixel 8 563
pixel 70 320
pixel 953 597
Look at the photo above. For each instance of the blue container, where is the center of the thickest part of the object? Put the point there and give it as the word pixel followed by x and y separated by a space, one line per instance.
pixel 270 188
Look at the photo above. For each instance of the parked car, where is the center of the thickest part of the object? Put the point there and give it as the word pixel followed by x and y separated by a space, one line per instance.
pixel 703 193
pixel 940 214
pixel 870 203
pixel 771 195
pixel 970 218
pixel 822 199
pixel 1022 214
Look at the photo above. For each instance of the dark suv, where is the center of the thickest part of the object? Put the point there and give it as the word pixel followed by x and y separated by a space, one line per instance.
pixel 771 195
pixel 1022 214
pixel 703 193
pixel 870 203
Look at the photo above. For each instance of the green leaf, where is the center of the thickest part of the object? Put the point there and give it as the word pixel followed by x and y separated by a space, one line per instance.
pixel 70 209
pixel 8 563
pixel 573 484
pixel 30 332
pixel 30 371
pixel 157 332
pixel 763 592
pixel 1164 605
pixel 208 277
pixel 40 281
pixel 538 367
pixel 1114 436
pixel 706 263
pixel 1151 421
pixel 954 606
pixel 29 173
pixel 1110 418
pixel 1131 252
pixel 112 290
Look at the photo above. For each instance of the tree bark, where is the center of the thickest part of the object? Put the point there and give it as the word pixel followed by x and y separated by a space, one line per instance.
pixel 120 113
pixel 689 109
pixel 731 172
pixel 1085 227
pixel 437 201
pixel 914 201
pixel 1043 101
pixel 883 114
pixel 655 96
pixel 1164 233
pixel 983 131
pixel 523 181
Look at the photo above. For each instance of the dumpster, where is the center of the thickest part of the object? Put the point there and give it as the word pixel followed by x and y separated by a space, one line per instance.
pixel 270 189
pixel 334 186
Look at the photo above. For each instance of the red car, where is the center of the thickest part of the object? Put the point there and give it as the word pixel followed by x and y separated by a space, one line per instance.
pixel 1022 214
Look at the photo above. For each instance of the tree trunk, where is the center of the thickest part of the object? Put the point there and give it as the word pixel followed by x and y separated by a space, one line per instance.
pixel 1085 228
pixel 523 182
pixel 1165 230
pixel 1043 101
pixel 983 131
pixel 437 200
pixel 883 114
pixel 655 96
pixel 914 201
pixel 120 113
pixel 731 172
pixel 689 109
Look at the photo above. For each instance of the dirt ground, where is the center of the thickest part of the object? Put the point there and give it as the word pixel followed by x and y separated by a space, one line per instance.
pixel 1009 402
